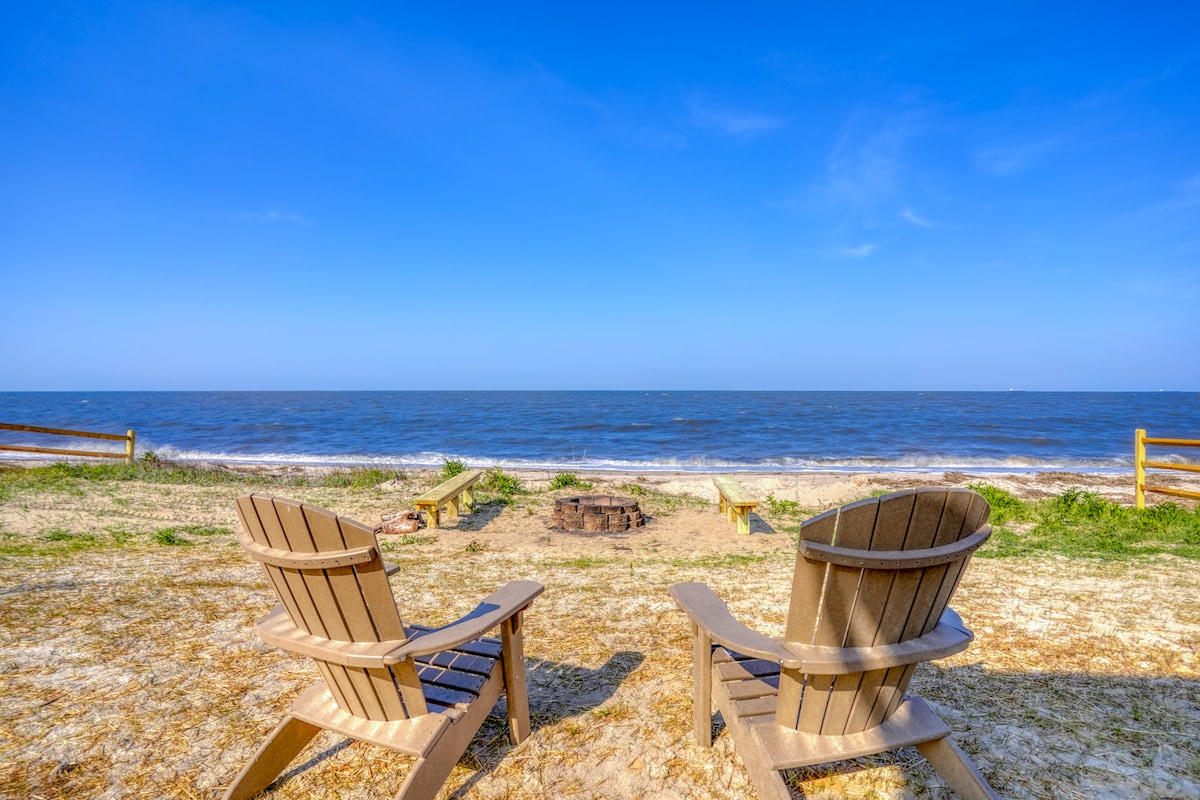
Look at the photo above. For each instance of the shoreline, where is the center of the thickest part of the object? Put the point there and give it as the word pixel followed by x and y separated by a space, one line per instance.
pixel 810 488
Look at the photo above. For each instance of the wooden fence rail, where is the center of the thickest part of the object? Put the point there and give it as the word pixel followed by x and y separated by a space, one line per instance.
pixel 127 437
pixel 1141 465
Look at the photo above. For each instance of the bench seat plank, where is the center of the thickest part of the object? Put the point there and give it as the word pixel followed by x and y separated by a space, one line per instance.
pixel 735 501
pixel 451 493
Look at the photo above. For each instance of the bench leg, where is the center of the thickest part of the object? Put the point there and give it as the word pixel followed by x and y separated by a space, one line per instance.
pixel 721 503
pixel 431 515
pixel 468 499
pixel 743 521
pixel 452 507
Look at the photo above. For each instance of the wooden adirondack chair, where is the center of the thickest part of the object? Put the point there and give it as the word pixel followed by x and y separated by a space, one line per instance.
pixel 410 688
pixel 868 604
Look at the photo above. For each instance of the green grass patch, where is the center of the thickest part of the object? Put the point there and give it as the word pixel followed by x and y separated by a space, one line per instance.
pixel 202 530
pixel 785 508
pixel 413 538
pixel 1082 524
pixel 565 480
pixel 360 478
pixel 1005 507
pixel 170 537
pixel 54 542
pixel 68 478
pixel 723 561
pixel 502 483
pixel 450 468
pixel 584 562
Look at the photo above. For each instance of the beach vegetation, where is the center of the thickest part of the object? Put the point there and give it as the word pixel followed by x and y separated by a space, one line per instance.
pixel 170 537
pixel 452 467
pixel 70 478
pixel 54 542
pixel 782 507
pixel 502 483
pixel 1005 506
pixel 583 562
pixel 565 480
pixel 1083 524
pixel 722 560
pixel 360 478
pixel 202 530
pixel 633 489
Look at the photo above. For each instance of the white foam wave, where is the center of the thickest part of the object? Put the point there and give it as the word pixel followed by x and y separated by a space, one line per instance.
pixel 430 459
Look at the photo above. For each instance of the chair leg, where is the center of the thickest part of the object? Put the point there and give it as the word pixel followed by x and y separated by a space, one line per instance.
pixel 515 689
pixel 702 686
pixel 288 739
pixel 427 775
pixel 957 769
pixel 768 783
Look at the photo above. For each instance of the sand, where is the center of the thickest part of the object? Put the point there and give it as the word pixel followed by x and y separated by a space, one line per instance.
pixel 130 667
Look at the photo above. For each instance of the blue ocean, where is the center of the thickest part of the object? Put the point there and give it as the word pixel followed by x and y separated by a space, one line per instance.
pixel 627 430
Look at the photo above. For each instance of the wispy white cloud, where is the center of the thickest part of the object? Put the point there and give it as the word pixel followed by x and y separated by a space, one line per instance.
pixel 1013 158
pixel 861 251
pixel 627 127
pixel 1185 194
pixel 870 155
pixel 274 216
pixel 908 215
pixel 730 122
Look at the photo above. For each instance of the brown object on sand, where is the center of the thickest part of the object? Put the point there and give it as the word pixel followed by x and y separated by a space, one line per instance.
pixel 417 690
pixel 401 522
pixel 869 602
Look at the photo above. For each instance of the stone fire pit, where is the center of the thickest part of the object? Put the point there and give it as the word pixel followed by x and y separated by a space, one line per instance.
pixel 597 513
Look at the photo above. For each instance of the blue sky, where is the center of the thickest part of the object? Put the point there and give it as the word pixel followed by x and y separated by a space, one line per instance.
pixel 774 196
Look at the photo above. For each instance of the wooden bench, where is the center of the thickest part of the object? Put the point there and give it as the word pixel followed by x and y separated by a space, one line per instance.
pixel 451 494
pixel 735 501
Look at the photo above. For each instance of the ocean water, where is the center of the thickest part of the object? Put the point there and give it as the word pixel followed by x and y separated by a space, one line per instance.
pixel 640 430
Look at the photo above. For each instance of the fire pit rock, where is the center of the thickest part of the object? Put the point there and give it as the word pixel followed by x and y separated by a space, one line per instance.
pixel 597 514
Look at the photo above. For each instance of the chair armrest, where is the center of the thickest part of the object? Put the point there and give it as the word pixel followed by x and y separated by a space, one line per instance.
pixel 949 637
pixel 709 613
pixel 501 604
pixel 277 628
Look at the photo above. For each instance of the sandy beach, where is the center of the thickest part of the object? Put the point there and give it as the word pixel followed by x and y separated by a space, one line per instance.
pixel 130 667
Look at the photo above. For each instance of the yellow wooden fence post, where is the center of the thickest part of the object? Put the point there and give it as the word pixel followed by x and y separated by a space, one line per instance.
pixel 129 446
pixel 1139 467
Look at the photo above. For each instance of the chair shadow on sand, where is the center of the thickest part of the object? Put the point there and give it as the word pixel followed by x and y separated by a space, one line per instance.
pixel 557 692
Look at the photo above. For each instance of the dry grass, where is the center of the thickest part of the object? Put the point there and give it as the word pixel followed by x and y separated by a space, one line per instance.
pixel 130 668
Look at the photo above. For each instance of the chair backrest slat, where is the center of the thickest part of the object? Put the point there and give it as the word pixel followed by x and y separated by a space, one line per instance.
pixel 350 603
pixel 259 517
pixel 862 606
